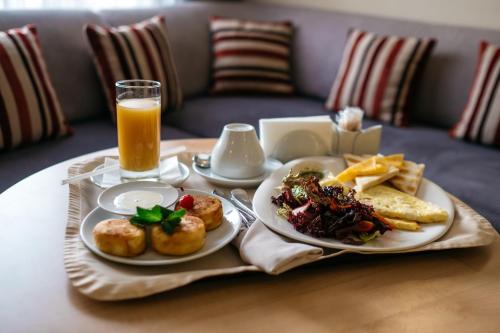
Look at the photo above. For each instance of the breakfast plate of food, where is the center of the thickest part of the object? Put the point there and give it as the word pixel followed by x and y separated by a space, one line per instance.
pixel 359 203
pixel 195 226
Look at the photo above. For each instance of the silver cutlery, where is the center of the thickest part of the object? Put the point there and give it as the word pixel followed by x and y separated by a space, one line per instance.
pixel 240 198
pixel 202 160
pixel 246 217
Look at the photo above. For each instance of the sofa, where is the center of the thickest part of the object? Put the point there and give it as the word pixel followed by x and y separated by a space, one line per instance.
pixel 469 171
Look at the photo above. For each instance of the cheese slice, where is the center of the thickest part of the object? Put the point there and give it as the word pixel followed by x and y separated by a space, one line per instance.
pixel 392 203
pixel 369 167
pixel 364 183
pixel 407 180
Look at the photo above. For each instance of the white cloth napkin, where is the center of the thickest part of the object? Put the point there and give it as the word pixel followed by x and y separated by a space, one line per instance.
pixel 274 130
pixel 271 252
pixel 169 170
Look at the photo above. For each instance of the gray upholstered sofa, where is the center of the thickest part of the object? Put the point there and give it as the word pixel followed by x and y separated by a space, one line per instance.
pixel 469 171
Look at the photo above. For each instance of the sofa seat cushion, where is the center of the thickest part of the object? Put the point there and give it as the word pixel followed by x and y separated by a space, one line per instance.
pixel 206 116
pixel 89 136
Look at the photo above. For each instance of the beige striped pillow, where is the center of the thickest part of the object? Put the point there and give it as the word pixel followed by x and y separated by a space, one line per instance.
pixel 136 51
pixel 377 74
pixel 480 120
pixel 29 107
pixel 251 56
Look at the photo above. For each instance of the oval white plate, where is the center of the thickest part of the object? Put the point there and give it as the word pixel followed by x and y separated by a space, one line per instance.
pixel 177 181
pixel 395 240
pixel 106 199
pixel 216 239
pixel 270 166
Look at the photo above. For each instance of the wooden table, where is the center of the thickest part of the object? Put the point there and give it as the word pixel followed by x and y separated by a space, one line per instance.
pixel 449 291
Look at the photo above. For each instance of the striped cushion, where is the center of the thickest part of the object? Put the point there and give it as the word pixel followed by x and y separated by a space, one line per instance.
pixel 137 51
pixel 480 121
pixel 29 107
pixel 251 56
pixel 377 74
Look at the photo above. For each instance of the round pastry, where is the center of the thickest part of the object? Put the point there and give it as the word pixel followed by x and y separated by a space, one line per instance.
pixel 188 237
pixel 209 209
pixel 119 237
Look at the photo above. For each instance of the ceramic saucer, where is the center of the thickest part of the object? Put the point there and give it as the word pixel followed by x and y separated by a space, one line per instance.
pixel 208 174
pixel 157 194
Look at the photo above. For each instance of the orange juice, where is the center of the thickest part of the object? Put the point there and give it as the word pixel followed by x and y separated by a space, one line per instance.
pixel 138 123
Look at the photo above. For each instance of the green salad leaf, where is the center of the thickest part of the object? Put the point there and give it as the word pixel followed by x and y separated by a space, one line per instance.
pixel 365 236
pixel 299 193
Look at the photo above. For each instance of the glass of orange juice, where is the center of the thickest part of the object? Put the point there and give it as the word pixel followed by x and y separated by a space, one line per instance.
pixel 138 113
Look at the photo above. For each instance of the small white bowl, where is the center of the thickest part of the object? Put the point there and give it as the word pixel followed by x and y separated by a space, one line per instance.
pixel 163 195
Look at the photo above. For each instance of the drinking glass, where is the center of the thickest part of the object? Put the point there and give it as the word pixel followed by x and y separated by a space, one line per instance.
pixel 138 112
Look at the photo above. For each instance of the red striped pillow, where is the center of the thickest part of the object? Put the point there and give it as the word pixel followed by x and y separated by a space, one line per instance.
pixel 137 51
pixel 251 56
pixel 29 107
pixel 377 74
pixel 480 121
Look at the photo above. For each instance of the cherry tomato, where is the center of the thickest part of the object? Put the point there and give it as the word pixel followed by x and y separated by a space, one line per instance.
pixel 186 201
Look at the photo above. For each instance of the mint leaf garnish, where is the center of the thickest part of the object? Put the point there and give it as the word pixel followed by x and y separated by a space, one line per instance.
pixel 177 215
pixel 152 215
pixel 169 227
pixel 167 218
pixel 172 221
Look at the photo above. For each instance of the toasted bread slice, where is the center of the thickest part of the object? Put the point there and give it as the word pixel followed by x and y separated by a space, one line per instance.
pixel 395 204
pixel 409 178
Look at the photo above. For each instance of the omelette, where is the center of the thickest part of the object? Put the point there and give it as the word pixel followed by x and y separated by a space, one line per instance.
pixel 392 203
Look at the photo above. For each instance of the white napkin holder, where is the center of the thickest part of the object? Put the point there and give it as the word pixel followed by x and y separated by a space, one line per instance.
pixel 365 141
pixel 286 139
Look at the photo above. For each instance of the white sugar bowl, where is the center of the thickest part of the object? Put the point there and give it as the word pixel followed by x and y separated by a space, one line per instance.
pixel 238 153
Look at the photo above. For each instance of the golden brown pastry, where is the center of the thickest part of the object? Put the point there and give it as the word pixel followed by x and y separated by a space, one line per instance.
pixel 188 237
pixel 209 209
pixel 119 237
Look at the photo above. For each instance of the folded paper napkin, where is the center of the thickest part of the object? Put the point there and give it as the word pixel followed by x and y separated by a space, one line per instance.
pixel 289 138
pixel 169 169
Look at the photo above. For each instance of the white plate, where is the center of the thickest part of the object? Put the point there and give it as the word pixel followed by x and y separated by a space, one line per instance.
pixel 216 239
pixel 270 166
pixel 106 199
pixel 183 168
pixel 396 240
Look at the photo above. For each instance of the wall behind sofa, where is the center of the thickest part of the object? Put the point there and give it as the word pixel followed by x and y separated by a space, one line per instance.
pixel 473 13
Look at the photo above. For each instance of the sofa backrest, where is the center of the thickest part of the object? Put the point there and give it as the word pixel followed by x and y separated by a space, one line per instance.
pixel 318 46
